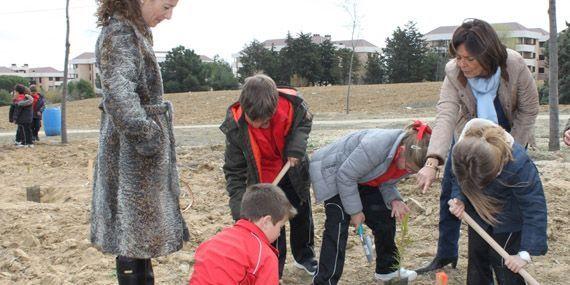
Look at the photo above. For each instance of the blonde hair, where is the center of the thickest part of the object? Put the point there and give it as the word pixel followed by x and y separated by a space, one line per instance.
pixel 478 158
pixel 416 149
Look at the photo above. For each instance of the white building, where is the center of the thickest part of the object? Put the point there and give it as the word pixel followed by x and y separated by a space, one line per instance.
pixel 528 42
pixel 44 77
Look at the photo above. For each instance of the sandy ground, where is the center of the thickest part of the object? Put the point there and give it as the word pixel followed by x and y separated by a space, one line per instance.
pixel 48 242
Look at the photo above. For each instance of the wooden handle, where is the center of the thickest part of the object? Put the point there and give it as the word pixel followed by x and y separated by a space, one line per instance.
pixel 282 173
pixel 529 279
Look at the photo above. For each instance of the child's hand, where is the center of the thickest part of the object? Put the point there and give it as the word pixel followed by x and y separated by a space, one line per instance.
pixel 399 209
pixel 456 207
pixel 357 219
pixel 293 161
pixel 515 263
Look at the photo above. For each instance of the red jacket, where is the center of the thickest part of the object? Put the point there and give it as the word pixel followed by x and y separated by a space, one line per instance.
pixel 238 255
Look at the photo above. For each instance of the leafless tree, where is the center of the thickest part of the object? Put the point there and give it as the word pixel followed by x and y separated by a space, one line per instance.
pixel 65 72
pixel 553 139
pixel 351 7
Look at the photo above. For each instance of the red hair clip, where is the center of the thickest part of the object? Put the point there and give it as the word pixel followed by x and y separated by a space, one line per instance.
pixel 422 128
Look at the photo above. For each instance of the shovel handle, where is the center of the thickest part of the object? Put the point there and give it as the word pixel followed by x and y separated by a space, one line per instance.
pixel 527 277
pixel 282 173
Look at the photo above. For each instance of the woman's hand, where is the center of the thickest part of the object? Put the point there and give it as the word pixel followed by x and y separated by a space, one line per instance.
pixel 515 263
pixel 456 207
pixel 293 161
pixel 399 210
pixel 425 177
pixel 357 219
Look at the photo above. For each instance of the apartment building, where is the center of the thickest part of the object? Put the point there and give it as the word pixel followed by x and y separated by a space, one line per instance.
pixel 529 42
pixel 45 77
pixel 83 65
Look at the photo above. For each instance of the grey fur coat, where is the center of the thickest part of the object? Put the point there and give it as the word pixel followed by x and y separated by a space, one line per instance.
pixel 135 210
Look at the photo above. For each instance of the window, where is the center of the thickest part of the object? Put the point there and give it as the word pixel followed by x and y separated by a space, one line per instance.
pixel 51 79
pixel 541 57
pixel 541 70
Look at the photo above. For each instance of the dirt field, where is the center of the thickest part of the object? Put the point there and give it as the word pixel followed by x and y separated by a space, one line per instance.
pixel 48 242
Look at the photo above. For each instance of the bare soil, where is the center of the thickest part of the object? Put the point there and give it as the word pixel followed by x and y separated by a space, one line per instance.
pixel 48 242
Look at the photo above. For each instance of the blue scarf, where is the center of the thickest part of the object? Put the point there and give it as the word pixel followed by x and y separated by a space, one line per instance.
pixel 485 91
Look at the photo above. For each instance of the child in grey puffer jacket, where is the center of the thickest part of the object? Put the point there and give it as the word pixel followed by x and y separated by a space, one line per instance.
pixel 356 179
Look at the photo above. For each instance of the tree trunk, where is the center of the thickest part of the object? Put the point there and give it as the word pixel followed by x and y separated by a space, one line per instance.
pixel 553 139
pixel 350 68
pixel 65 71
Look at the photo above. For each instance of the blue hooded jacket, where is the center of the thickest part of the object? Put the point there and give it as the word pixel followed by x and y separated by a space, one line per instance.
pixel 520 190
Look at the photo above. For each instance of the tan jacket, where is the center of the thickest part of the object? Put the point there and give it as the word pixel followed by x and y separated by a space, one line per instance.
pixel 457 105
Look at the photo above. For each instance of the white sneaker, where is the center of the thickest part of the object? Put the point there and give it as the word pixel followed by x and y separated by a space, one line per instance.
pixel 402 273
pixel 30 146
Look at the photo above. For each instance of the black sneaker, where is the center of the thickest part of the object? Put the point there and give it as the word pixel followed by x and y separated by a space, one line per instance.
pixel 309 265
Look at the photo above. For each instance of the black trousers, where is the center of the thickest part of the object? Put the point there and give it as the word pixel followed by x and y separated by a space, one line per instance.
pixel 36 125
pixel 301 227
pixel 24 134
pixel 483 260
pixel 335 235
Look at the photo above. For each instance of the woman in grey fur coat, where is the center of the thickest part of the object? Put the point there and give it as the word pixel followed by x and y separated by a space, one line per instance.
pixel 135 212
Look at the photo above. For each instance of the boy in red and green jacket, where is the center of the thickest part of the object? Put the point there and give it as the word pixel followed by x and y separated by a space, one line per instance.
pixel 243 254
pixel 267 127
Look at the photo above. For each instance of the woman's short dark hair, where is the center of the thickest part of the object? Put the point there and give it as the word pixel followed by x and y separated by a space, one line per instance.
pixel 483 43
pixel 128 9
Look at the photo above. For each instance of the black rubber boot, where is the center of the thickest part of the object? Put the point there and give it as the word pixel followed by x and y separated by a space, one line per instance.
pixel 437 263
pixel 148 273
pixel 131 271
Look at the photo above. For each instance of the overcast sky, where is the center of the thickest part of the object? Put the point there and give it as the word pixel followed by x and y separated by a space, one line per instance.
pixel 33 31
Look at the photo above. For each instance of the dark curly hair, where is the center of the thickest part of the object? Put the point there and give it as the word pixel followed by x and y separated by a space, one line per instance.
pixel 127 9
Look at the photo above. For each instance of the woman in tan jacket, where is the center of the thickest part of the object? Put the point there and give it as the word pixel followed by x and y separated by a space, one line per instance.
pixel 484 80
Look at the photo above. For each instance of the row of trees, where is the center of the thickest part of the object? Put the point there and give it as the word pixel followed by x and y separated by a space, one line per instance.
pixel 406 58
pixel 184 71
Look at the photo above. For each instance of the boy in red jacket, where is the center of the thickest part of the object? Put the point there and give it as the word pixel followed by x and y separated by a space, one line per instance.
pixel 243 254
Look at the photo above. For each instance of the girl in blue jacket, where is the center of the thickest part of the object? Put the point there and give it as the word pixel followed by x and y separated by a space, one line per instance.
pixel 356 178
pixel 501 189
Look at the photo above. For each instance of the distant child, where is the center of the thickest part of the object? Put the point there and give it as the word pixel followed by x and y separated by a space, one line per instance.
pixel 38 107
pixel 21 113
pixel 501 189
pixel 243 254
pixel 267 127
pixel 356 178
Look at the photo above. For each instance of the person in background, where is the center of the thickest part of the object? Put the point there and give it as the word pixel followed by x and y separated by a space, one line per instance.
pixel 21 113
pixel 566 134
pixel 38 107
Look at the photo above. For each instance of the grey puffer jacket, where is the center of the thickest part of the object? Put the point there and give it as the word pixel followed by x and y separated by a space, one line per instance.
pixel 358 157
pixel 135 210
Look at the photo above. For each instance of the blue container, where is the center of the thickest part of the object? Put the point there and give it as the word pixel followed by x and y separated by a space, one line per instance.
pixel 52 121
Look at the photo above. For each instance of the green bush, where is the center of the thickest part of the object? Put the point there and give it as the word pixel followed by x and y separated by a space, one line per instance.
pixel 53 96
pixel 79 90
pixel 7 82
pixel 5 98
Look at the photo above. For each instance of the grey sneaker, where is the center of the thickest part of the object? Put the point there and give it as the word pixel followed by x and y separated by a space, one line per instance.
pixel 402 273
pixel 309 265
